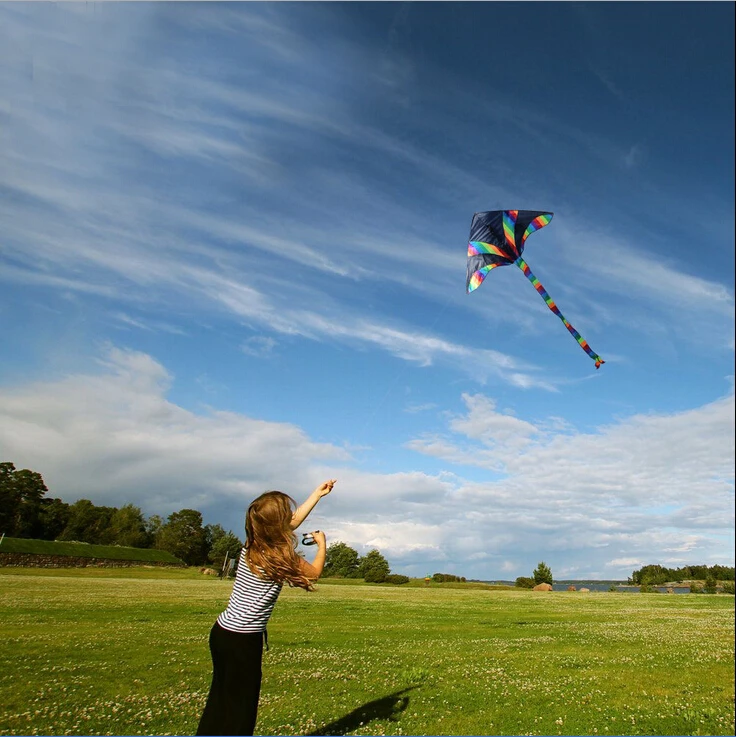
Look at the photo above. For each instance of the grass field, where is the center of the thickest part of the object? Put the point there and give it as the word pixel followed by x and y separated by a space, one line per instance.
pixel 125 652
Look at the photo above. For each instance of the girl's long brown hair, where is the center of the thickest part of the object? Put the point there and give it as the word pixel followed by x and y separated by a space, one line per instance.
pixel 270 544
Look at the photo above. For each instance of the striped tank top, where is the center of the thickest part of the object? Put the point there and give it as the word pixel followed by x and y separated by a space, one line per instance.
pixel 251 601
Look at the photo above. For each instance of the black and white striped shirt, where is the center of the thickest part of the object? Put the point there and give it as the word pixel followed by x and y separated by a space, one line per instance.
pixel 251 601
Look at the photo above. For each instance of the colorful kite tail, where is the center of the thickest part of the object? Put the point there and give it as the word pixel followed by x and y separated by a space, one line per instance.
pixel 543 293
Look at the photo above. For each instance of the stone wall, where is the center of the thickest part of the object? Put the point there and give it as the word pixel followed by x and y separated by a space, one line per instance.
pixel 34 560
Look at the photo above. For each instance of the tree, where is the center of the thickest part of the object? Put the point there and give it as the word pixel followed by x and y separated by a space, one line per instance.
pixel 88 523
pixel 657 575
pixel 184 537
pixel 8 498
pixel 542 574
pixel 341 561
pixel 21 495
pixel 128 528
pixel 374 567
pixel 54 517
pixel 153 527
pixel 221 544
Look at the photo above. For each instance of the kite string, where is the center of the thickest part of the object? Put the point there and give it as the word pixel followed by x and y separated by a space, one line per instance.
pixel 552 306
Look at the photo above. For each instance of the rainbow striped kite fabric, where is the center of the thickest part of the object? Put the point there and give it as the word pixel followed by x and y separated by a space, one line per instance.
pixel 497 238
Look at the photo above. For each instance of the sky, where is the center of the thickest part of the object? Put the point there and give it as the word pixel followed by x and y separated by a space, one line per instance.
pixel 233 259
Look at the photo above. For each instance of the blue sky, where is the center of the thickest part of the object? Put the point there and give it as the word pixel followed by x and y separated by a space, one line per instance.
pixel 233 259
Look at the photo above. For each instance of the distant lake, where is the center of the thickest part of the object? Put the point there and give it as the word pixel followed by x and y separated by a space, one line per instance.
pixel 621 586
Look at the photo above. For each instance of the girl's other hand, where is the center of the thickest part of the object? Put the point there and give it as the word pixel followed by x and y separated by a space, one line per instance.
pixel 325 488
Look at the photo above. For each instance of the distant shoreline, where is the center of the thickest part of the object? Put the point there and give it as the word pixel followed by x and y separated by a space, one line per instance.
pixel 621 584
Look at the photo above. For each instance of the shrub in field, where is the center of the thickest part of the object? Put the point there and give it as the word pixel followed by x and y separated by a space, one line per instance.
pixel 710 585
pixel 396 578
pixel 727 587
pixel 695 588
pixel 523 582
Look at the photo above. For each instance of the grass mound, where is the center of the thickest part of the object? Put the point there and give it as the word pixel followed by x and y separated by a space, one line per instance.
pixel 85 550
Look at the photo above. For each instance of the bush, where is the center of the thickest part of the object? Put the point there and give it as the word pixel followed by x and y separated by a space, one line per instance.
pixel 375 575
pixel 396 578
pixel 525 583
pixel 446 578
pixel 728 587
pixel 710 585
pixel 695 588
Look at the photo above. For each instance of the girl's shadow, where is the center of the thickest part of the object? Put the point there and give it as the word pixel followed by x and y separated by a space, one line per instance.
pixel 389 707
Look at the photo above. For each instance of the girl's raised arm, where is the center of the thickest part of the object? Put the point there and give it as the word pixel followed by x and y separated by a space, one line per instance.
pixel 304 509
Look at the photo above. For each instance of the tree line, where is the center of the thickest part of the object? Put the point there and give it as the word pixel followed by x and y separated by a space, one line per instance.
pixel 654 575
pixel 342 561
pixel 26 512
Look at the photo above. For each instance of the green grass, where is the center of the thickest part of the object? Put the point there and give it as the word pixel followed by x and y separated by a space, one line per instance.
pixel 84 550
pixel 92 654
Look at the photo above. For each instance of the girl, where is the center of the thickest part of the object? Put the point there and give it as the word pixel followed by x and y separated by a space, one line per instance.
pixel 268 559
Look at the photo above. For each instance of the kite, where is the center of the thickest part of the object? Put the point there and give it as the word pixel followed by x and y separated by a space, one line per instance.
pixel 497 238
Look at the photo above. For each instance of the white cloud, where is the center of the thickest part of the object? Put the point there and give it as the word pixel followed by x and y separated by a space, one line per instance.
pixel 114 436
pixel 648 484
pixel 646 489
pixel 626 563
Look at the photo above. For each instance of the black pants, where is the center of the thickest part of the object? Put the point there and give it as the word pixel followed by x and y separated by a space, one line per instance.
pixel 232 703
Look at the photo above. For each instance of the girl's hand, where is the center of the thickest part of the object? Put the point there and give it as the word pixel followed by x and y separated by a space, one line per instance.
pixel 319 538
pixel 325 488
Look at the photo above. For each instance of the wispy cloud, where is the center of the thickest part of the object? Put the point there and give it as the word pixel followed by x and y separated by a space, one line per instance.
pixel 81 217
pixel 258 346
pixel 635 156
pixel 608 83
pixel 148 325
